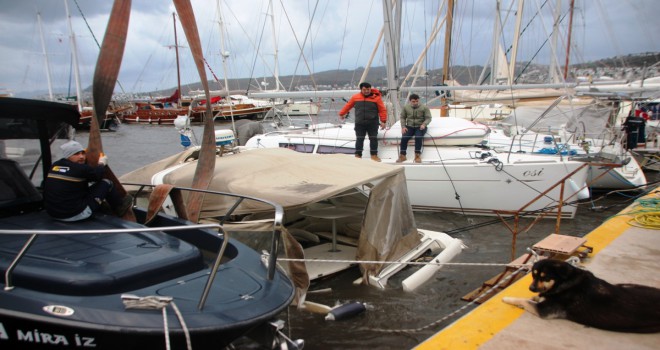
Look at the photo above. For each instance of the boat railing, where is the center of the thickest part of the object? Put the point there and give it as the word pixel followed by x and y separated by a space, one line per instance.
pixel 278 216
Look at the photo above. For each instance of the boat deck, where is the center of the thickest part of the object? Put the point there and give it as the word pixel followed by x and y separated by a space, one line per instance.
pixel 622 253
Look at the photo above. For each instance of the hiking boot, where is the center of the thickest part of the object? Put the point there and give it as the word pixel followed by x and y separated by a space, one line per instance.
pixel 402 158
pixel 418 158
pixel 358 156
pixel 126 203
pixel 375 158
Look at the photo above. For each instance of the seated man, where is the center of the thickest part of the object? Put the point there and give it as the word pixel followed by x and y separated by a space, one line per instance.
pixel 415 117
pixel 68 195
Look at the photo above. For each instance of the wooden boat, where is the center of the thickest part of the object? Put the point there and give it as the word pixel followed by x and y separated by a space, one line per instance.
pixel 108 283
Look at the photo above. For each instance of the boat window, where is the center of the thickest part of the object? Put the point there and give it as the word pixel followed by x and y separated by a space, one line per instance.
pixel 298 147
pixel 335 149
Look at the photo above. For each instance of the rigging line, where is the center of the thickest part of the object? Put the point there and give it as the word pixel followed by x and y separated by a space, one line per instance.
pixel 509 218
pixel 212 72
pixel 343 41
pixel 444 167
pixel 302 52
pixel 364 35
pixel 256 53
pixel 94 37
pixel 520 36
pixel 529 62
pixel 609 27
pixel 249 38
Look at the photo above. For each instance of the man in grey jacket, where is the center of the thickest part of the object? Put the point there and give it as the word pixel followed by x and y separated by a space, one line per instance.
pixel 415 118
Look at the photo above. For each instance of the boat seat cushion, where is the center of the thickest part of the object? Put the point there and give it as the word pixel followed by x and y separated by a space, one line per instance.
pixel 93 264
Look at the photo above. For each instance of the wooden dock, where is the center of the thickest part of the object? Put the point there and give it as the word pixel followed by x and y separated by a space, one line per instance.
pixel 622 253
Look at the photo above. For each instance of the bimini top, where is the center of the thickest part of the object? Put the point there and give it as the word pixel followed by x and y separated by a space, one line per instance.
pixel 19 118
pixel 286 177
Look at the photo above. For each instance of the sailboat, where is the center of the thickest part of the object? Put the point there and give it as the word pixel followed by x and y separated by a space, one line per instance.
pixel 165 110
pixel 455 173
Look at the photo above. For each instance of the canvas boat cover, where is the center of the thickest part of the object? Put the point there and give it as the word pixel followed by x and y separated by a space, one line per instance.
pixel 295 180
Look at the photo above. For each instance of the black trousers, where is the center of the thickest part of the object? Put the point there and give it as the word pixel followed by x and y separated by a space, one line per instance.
pixel 361 130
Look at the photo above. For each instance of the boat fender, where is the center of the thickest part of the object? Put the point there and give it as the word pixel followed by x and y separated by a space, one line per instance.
pixel 345 311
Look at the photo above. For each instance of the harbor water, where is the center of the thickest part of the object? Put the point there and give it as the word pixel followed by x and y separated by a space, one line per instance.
pixel 423 312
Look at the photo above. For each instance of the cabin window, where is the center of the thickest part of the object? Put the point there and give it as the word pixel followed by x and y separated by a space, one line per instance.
pixel 335 149
pixel 298 147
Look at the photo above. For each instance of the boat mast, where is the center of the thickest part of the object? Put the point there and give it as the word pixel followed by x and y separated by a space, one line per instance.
pixel 516 39
pixel 178 73
pixel 391 43
pixel 74 56
pixel 225 55
pixel 444 110
pixel 276 73
pixel 43 49
pixel 568 43
pixel 554 69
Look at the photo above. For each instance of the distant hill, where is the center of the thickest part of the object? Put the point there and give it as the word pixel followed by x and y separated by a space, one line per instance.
pixel 348 79
pixel 640 60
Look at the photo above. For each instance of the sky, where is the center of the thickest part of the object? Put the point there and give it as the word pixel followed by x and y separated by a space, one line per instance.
pixel 338 34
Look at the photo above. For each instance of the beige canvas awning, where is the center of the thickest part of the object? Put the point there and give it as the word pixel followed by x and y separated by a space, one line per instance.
pixel 295 180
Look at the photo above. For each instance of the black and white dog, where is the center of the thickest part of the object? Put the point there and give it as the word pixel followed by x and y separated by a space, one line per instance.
pixel 577 295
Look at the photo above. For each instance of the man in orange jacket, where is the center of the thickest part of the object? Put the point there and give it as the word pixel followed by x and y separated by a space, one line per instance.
pixel 370 112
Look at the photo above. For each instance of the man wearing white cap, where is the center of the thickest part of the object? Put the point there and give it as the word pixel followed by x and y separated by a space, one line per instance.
pixel 68 195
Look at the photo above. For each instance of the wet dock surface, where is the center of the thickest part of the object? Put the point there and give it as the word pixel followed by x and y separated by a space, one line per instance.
pixel 622 254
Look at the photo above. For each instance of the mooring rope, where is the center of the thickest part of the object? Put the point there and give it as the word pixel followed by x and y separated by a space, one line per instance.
pixel 158 303
pixel 348 261
pixel 453 313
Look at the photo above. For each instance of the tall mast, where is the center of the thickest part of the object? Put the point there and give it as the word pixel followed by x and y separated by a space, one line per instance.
pixel 74 55
pixel 225 55
pixel 445 65
pixel 390 44
pixel 276 73
pixel 568 44
pixel 516 39
pixel 178 73
pixel 43 49
pixel 554 69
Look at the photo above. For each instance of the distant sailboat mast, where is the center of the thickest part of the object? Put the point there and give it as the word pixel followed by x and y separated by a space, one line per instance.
pixel 45 53
pixel 568 43
pixel 178 73
pixel 444 111
pixel 225 55
pixel 74 55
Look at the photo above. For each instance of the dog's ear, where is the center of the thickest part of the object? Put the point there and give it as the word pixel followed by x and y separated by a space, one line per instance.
pixel 564 270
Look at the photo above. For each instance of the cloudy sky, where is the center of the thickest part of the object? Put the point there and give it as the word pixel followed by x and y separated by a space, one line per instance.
pixel 338 34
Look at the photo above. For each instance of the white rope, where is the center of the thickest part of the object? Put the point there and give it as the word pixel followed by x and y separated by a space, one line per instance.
pixel 166 329
pixel 461 309
pixel 186 332
pixel 395 262
pixel 154 303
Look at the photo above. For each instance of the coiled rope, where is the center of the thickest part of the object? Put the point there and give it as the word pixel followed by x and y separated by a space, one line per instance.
pixel 649 214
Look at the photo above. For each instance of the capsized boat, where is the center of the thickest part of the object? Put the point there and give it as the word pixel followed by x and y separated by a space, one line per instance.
pixel 338 207
pixel 108 283
pixel 454 174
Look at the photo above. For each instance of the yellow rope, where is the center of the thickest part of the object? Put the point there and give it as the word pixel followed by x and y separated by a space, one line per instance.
pixel 647 217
